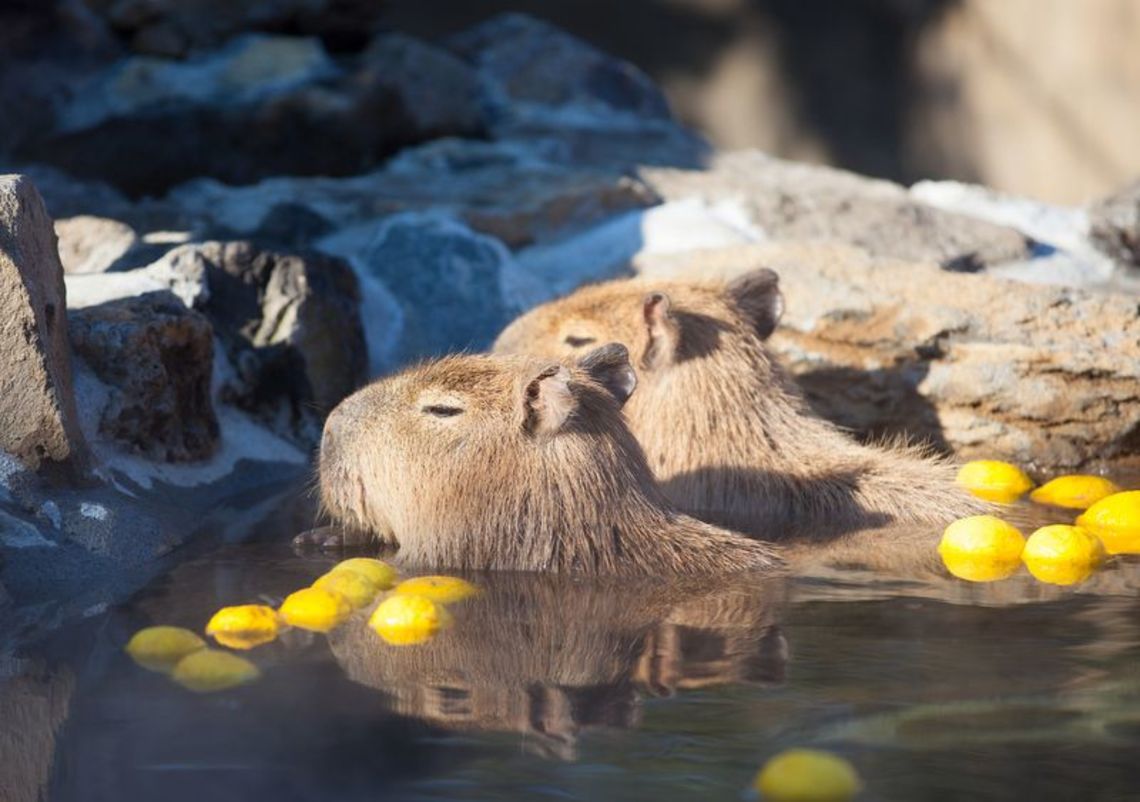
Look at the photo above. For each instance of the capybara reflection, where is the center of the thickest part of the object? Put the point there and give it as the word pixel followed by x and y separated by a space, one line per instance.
pixel 514 463
pixel 550 656
pixel 725 429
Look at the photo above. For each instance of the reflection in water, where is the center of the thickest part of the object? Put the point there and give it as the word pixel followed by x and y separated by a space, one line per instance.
pixel 932 687
pixel 549 657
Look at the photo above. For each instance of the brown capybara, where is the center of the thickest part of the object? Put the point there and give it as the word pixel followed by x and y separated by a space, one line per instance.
pixel 725 429
pixel 516 463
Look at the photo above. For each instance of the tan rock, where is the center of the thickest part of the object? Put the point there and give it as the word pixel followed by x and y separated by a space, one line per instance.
pixel 38 422
pixel 89 244
pixel 804 202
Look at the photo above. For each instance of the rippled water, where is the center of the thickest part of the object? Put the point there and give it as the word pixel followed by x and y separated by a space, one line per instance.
pixel 553 688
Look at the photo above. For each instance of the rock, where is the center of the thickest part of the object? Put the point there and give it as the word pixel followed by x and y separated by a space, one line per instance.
pixel 289 324
pixel 800 202
pixel 542 84
pixel 157 356
pixel 66 196
pixel 438 92
pixel 1062 251
pixel 38 422
pixel 260 106
pixel 1046 376
pixel 90 244
pixel 175 28
pixel 541 272
pixel 1114 225
pixel 498 189
pixel 446 278
pixel 530 68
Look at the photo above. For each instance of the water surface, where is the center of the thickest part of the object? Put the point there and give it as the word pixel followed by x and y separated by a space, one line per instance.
pixel 554 688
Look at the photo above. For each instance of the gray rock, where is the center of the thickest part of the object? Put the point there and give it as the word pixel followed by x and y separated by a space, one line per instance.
pixel 260 106
pixel 176 28
pixel 807 203
pixel 529 67
pixel 289 323
pixel 1046 376
pixel 157 357
pixel 89 244
pixel 439 93
pixel 446 278
pixel 66 196
pixel 542 84
pixel 1114 225
pixel 38 422
pixel 498 189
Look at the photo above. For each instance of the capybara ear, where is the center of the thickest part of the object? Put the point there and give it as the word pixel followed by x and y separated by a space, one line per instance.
pixel 663 328
pixel 757 296
pixel 547 400
pixel 609 366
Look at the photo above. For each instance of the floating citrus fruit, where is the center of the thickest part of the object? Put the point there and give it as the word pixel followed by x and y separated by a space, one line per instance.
pixel 243 626
pixel 382 575
pixel 807 775
pixel 994 481
pixel 442 589
pixel 981 548
pixel 1075 492
pixel 160 648
pixel 403 620
pixel 213 670
pixel 351 584
pixel 1116 521
pixel 315 609
pixel 1062 555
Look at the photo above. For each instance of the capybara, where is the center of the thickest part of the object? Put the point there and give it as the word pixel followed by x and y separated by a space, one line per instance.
pixel 725 429
pixel 517 463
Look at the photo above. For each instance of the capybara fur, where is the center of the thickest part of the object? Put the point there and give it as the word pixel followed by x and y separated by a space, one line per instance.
pixel 514 463
pixel 725 429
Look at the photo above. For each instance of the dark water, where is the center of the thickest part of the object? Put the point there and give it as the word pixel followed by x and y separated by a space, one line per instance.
pixel 550 688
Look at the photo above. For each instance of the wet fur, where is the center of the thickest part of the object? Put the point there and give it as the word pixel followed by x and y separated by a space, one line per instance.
pixel 725 429
pixel 538 472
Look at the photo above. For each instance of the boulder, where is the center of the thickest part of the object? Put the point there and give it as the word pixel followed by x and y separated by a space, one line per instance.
pixel 502 190
pixel 530 67
pixel 157 358
pixel 802 202
pixel 176 28
pixel 439 93
pixel 986 367
pixel 260 106
pixel 289 324
pixel 541 84
pixel 38 422
pixel 89 244
pixel 446 278
pixel 1114 225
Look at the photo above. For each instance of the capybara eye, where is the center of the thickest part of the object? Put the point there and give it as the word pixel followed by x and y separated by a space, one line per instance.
pixel 578 342
pixel 441 411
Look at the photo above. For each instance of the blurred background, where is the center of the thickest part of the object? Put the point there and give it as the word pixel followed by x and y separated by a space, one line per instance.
pixel 1035 97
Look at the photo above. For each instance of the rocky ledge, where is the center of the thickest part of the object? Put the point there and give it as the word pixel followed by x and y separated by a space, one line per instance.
pixel 247 227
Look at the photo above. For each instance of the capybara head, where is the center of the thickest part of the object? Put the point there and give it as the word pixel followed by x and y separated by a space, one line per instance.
pixel 516 462
pixel 664 324
pixel 698 349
